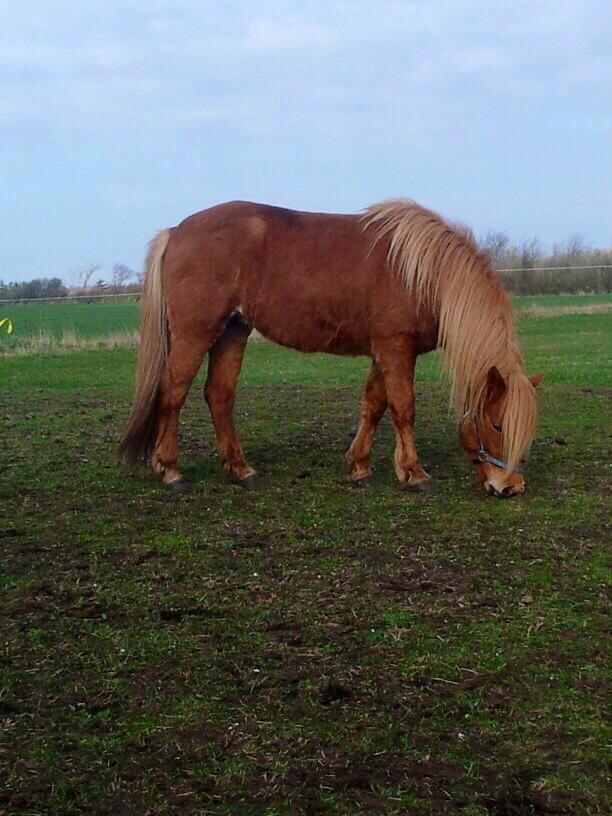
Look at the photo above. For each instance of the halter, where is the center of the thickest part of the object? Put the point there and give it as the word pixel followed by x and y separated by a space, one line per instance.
pixel 483 456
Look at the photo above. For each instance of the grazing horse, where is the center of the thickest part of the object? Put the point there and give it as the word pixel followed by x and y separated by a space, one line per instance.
pixel 393 282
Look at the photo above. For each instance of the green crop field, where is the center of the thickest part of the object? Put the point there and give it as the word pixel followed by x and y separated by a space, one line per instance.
pixel 86 320
pixel 39 325
pixel 308 648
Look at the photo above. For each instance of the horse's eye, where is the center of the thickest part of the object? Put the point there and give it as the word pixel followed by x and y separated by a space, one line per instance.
pixel 496 427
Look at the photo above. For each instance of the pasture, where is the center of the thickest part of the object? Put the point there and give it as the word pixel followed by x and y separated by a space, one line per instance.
pixel 114 322
pixel 94 319
pixel 309 648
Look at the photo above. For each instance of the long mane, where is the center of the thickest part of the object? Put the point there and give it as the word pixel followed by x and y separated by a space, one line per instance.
pixel 442 266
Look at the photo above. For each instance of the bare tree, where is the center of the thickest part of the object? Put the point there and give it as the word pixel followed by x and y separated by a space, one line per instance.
pixel 121 274
pixel 79 277
pixel 497 245
pixel 530 253
pixel 573 250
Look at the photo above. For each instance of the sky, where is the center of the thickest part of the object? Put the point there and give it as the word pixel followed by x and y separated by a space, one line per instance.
pixel 120 118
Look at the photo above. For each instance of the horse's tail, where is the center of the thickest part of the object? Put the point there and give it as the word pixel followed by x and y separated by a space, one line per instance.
pixel 139 436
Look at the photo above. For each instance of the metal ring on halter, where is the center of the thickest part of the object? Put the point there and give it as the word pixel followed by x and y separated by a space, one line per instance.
pixel 483 456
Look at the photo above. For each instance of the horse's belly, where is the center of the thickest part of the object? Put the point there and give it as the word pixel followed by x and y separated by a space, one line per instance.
pixel 309 327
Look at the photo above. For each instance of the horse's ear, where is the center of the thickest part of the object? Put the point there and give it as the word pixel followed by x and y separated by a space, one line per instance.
pixel 536 379
pixel 496 385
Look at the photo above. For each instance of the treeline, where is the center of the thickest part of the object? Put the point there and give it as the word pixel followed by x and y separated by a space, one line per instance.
pixel 79 282
pixel 55 289
pixel 34 289
pixel 534 272
pixel 543 273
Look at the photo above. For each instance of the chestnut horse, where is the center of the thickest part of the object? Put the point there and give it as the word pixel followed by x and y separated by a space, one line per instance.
pixel 391 283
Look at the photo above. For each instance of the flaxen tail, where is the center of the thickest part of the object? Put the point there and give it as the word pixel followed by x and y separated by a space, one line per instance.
pixel 139 436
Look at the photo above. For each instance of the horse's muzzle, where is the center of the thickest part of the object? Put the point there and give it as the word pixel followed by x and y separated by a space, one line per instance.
pixel 506 492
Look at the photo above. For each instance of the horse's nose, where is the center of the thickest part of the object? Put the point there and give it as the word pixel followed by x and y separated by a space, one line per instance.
pixel 505 493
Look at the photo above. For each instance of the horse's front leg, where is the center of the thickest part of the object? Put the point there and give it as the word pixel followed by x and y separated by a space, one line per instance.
pixel 397 358
pixel 373 407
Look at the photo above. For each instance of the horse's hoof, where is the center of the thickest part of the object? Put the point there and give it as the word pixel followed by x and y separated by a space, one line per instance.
pixel 251 482
pixel 426 486
pixel 365 481
pixel 180 486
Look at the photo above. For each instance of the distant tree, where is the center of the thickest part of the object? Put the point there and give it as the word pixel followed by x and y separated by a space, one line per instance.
pixel 31 289
pixel 530 253
pixel 38 288
pixel 121 274
pixel 79 277
pixel 573 250
pixel 497 245
pixel 53 287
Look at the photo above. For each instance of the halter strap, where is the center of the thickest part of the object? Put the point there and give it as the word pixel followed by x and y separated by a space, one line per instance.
pixel 483 456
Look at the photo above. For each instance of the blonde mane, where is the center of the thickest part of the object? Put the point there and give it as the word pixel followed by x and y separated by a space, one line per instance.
pixel 441 264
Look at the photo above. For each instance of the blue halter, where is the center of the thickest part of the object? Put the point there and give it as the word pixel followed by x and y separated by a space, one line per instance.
pixel 483 456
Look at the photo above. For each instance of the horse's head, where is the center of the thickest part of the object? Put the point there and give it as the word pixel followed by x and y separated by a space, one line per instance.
pixel 498 435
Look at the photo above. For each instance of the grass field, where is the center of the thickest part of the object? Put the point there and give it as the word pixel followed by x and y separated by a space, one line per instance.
pixel 86 320
pixel 46 326
pixel 308 648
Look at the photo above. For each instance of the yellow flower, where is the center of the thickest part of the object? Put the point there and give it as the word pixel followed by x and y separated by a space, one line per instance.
pixel 8 325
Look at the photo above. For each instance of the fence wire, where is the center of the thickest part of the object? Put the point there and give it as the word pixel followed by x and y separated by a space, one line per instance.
pixel 102 296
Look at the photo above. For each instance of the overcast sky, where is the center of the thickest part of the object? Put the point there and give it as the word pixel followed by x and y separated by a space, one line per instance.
pixel 118 118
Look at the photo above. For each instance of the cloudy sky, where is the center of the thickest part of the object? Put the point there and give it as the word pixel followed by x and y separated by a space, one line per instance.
pixel 119 117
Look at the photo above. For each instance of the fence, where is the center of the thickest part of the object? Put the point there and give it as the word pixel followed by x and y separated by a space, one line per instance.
pixel 536 280
pixel 558 280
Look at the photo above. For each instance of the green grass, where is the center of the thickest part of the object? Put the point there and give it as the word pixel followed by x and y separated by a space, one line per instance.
pixel 308 648
pixel 551 301
pixel 86 320
pixel 100 319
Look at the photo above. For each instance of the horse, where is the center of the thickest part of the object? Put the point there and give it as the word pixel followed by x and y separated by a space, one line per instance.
pixel 392 282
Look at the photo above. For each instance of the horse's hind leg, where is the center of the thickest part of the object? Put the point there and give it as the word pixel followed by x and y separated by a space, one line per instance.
pixel 224 364
pixel 397 360
pixel 184 360
pixel 373 407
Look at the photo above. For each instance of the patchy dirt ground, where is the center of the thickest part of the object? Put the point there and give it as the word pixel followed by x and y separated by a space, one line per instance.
pixel 309 648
